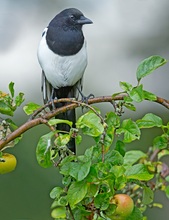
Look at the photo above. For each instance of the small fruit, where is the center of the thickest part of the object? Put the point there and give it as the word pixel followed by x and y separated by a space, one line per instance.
pixel 125 206
pixel 7 163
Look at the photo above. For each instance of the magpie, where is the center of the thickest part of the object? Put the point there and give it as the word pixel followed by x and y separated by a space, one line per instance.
pixel 62 56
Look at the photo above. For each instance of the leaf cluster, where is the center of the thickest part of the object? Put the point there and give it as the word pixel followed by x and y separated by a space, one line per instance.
pixel 8 105
pixel 8 101
pixel 90 181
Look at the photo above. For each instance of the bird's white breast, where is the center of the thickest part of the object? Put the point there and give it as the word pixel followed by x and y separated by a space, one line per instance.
pixel 61 71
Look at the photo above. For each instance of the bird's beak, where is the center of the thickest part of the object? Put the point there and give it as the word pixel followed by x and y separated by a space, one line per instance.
pixel 84 20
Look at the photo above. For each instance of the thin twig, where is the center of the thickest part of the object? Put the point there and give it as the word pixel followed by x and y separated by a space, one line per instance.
pixel 91 108
pixel 154 155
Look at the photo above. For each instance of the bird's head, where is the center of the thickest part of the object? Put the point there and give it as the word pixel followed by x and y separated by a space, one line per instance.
pixel 71 17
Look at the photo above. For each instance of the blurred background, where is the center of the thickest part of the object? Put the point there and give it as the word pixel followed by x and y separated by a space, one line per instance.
pixel 122 35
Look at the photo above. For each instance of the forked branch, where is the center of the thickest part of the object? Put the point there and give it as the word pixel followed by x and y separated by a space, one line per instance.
pixel 43 119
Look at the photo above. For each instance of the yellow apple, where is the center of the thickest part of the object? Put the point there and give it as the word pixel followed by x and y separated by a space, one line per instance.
pixel 7 163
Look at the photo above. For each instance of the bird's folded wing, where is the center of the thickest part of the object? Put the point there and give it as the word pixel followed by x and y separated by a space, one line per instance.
pixel 46 89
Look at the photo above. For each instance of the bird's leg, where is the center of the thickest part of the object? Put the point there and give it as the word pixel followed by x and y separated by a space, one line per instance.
pixel 52 98
pixel 85 98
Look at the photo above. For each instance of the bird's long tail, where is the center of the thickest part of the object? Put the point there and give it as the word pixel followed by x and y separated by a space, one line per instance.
pixel 50 93
pixel 70 116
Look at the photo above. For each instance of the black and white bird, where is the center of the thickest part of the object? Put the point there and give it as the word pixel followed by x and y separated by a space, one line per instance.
pixel 62 56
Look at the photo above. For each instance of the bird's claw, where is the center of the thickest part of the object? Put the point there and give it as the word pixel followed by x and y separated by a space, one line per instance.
pixel 86 98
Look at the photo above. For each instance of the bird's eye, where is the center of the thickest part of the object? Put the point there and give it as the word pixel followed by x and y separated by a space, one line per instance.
pixel 72 17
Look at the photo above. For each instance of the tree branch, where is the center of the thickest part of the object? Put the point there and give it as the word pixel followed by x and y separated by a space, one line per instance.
pixel 43 119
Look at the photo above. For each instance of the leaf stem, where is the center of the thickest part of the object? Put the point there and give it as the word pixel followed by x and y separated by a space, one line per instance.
pixel 70 210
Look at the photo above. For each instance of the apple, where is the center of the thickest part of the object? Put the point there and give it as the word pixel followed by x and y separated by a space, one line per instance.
pixel 125 206
pixel 7 163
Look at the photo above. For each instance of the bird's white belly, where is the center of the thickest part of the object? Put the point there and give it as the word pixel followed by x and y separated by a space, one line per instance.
pixel 61 71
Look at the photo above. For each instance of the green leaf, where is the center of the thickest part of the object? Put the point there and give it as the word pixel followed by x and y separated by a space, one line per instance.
pixel 137 94
pixel 12 127
pixel 59 121
pixel 11 89
pixel 59 213
pixel 19 99
pixel 113 157
pixel 66 180
pixel 136 214
pixel 92 176
pixel 5 109
pixel 62 139
pixel 163 153
pixel 90 124
pixel 89 152
pixel 61 201
pixel 77 170
pixel 66 168
pixel 127 99
pixel 43 150
pixel 160 142
pixel 93 190
pixel 30 108
pixel 133 156
pixel 7 104
pixel 67 159
pixel 112 121
pixel 148 65
pixel 81 171
pixel 120 147
pixel 148 196
pixel 11 123
pixel 110 211
pixel 116 94
pixel 158 205
pixel 103 170
pixel 56 192
pixel 126 86
pixel 150 120
pixel 149 96
pixel 120 182
pixel 76 192
pixel 101 201
pixel 138 172
pixel 83 158
pixel 167 178
pixel 130 106
pixel 130 130
pixel 167 191
pixel 118 170
pixel 78 139
pixel 80 213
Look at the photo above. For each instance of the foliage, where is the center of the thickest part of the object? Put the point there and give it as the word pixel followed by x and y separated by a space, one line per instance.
pixel 90 181
pixel 8 105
